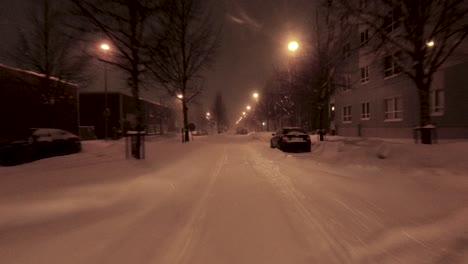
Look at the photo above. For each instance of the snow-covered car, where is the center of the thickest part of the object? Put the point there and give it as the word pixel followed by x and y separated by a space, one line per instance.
pixel 34 143
pixel 291 138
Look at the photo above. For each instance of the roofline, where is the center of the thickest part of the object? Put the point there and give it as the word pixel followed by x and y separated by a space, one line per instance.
pixel 40 75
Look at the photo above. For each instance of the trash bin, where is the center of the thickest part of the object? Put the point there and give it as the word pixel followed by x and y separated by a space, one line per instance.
pixel 425 133
pixel 131 145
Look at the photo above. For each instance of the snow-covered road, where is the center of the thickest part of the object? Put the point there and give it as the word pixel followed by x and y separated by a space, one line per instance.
pixel 227 199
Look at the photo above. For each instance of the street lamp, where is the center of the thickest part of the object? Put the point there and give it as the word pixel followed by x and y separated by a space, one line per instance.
pixel 243 113
pixel 430 43
pixel 105 47
pixel 293 46
pixel 255 95
pixel 248 107
pixel 180 96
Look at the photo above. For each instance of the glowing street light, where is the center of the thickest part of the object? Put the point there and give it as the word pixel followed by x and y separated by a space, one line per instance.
pixel 293 46
pixel 243 113
pixel 180 96
pixel 430 43
pixel 208 114
pixel 255 95
pixel 248 107
pixel 104 46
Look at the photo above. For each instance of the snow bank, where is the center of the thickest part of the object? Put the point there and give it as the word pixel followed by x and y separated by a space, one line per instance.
pixel 401 154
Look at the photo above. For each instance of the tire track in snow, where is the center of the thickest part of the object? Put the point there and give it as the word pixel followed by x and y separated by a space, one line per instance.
pixel 334 250
pixel 180 250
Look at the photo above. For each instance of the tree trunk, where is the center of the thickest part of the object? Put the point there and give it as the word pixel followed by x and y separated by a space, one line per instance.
pixel 424 115
pixel 424 112
pixel 321 124
pixel 185 113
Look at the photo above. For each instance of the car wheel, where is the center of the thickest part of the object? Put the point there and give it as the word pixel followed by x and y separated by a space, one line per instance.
pixel 281 145
pixel 271 144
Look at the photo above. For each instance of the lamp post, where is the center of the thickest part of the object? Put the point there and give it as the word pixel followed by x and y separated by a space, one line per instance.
pixel 292 47
pixel 106 48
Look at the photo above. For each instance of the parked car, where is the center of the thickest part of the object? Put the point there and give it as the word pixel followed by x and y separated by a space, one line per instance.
pixel 242 131
pixel 291 138
pixel 201 132
pixel 34 143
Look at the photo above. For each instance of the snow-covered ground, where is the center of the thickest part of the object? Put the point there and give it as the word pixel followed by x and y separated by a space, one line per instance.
pixel 232 199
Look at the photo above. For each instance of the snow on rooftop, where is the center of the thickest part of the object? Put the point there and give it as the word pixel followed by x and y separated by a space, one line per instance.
pixel 40 75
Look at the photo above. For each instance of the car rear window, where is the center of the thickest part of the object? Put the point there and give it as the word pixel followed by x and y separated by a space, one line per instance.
pixel 288 130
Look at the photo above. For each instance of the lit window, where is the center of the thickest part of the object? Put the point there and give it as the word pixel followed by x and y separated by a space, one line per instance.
pixel 437 102
pixel 393 109
pixel 391 66
pixel 365 111
pixel 365 74
pixel 347 114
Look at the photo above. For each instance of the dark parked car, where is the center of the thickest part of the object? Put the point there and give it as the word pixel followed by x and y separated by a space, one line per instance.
pixel 242 131
pixel 36 143
pixel 291 138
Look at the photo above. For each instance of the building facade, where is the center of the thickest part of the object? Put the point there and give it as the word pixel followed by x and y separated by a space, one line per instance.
pixel 122 114
pixel 29 99
pixel 376 98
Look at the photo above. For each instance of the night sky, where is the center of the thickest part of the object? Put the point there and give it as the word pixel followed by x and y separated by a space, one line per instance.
pixel 254 40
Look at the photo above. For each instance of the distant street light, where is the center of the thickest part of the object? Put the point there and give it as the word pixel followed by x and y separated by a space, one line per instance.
pixel 208 114
pixel 243 113
pixel 106 48
pixel 255 95
pixel 248 107
pixel 293 46
pixel 430 44
pixel 180 96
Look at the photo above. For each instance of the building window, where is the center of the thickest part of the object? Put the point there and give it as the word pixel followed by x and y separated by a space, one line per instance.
pixel 364 37
pixel 391 66
pixel 365 111
pixel 365 74
pixel 346 83
pixel 392 20
pixel 437 102
pixel 362 4
pixel 393 109
pixel 347 50
pixel 347 114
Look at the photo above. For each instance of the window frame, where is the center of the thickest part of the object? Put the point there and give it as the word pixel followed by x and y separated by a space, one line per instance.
pixel 392 21
pixel 364 37
pixel 346 114
pixel 365 110
pixel 347 50
pixel 365 79
pixel 346 83
pixel 395 112
pixel 437 102
pixel 394 69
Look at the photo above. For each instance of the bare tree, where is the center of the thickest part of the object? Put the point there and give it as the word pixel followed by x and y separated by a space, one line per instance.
pixel 321 69
pixel 127 26
pixel 422 35
pixel 186 45
pixel 219 112
pixel 44 47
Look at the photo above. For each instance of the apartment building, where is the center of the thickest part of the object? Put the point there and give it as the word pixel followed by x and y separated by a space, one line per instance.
pixel 376 99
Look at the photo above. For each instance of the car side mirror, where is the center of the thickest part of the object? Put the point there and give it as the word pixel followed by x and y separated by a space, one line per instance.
pixel 273 134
